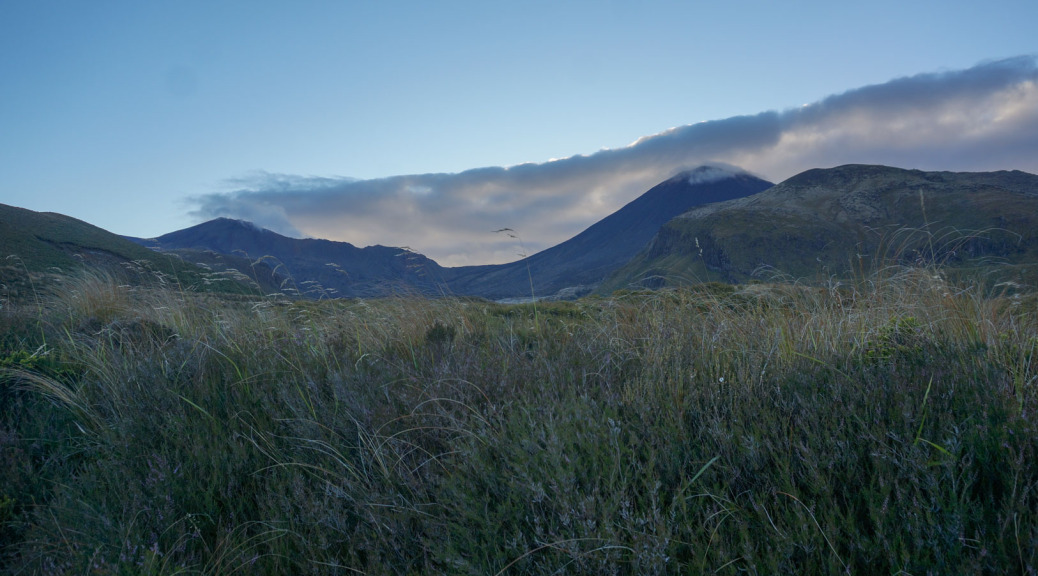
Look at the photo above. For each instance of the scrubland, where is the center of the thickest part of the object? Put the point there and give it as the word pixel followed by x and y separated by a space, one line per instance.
pixel 882 426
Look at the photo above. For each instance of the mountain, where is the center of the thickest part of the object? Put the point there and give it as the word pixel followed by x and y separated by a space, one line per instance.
pixel 589 257
pixel 708 224
pixel 318 268
pixel 328 268
pixel 38 245
pixel 848 221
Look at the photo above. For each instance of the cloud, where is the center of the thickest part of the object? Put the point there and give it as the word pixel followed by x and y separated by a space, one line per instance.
pixel 713 172
pixel 982 118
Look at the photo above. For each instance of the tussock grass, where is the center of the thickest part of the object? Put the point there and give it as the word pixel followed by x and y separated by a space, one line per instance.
pixel 885 426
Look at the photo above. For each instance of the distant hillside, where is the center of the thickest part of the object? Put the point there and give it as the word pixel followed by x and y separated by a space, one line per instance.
pixel 316 268
pixel 589 257
pixel 846 220
pixel 44 244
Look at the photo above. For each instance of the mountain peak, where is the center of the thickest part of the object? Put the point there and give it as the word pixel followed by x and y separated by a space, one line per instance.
pixel 587 258
pixel 224 221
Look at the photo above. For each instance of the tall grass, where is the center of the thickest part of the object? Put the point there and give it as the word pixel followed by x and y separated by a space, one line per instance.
pixel 880 427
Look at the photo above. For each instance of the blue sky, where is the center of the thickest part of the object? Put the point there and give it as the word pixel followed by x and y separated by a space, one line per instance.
pixel 429 124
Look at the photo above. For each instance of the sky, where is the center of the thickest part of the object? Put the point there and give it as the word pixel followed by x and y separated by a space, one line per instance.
pixel 432 124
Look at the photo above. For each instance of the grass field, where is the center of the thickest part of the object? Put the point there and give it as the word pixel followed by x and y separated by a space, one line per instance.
pixel 884 427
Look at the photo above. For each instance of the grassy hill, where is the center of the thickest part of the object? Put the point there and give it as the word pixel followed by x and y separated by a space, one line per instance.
pixel 46 246
pixel 845 222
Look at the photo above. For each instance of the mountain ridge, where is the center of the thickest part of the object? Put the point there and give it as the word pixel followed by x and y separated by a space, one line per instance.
pixel 39 245
pixel 697 226
pixel 573 266
pixel 319 268
pixel 837 221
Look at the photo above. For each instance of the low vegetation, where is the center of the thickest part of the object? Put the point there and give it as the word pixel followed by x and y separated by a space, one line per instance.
pixel 885 427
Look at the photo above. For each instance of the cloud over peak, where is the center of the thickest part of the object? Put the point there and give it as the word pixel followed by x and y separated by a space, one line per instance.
pixel 981 118
pixel 712 173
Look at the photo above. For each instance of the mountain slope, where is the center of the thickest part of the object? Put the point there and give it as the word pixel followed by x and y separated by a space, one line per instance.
pixel 589 257
pixel 846 220
pixel 47 243
pixel 319 268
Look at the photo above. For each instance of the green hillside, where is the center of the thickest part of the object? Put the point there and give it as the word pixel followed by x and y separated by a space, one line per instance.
pixel 848 222
pixel 45 246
